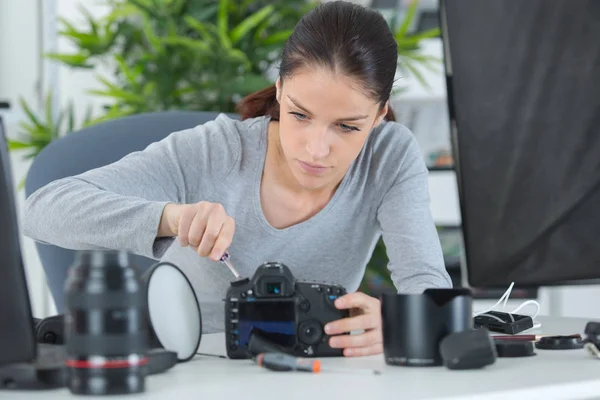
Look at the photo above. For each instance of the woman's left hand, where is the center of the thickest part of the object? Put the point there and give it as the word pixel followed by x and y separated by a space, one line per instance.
pixel 365 314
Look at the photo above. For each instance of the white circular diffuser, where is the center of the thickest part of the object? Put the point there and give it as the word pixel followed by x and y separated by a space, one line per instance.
pixel 174 310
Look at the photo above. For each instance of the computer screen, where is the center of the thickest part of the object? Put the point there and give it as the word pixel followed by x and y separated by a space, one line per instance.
pixel 524 105
pixel 17 343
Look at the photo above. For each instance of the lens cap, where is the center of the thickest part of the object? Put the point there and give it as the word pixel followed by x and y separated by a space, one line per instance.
pixel 173 311
pixel 571 342
pixel 514 348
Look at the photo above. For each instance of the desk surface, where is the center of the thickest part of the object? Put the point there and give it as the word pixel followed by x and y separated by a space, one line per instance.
pixel 558 374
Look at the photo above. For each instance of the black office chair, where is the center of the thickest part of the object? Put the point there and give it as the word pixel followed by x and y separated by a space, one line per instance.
pixel 93 147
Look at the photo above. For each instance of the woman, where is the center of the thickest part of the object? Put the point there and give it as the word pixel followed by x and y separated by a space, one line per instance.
pixel 311 176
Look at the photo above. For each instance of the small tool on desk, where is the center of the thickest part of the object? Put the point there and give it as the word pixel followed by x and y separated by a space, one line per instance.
pixel 530 338
pixel 225 260
pixel 286 362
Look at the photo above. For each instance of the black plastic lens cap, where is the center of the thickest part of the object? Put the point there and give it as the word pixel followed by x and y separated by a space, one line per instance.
pixel 514 348
pixel 559 343
pixel 592 328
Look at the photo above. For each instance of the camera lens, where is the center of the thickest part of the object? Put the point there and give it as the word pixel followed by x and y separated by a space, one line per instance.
pixel 274 288
pixel 105 325
pixel 310 332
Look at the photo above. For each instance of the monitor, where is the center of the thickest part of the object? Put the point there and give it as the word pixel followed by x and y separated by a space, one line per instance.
pixel 524 110
pixel 17 341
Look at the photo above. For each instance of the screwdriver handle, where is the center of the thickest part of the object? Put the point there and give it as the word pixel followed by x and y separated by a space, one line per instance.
pixel 225 260
pixel 286 362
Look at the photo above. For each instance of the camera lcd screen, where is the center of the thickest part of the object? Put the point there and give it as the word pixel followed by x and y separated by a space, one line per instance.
pixel 273 319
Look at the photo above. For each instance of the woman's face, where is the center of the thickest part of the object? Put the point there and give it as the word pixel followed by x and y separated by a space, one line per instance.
pixel 324 122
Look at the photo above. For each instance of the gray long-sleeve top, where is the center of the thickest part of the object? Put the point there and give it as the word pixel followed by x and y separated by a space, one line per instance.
pixel 119 206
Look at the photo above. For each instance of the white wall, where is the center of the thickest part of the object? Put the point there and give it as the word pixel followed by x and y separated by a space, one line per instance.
pixel 19 62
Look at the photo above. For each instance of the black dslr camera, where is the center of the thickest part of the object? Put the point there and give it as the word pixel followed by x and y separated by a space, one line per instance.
pixel 274 312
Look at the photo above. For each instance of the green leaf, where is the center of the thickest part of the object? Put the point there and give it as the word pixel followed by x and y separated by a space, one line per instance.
pixel 146 7
pixel 130 75
pixel 30 114
pixel 192 44
pixel 118 94
pixel 73 60
pixel 87 118
pixel 199 28
pixel 251 83
pixel 178 7
pixel 206 13
pixel 277 37
pixel 113 113
pixel 408 19
pixel 89 17
pixel 223 23
pixel 71 117
pixel 29 128
pixel 270 22
pixel 239 56
pixel 413 41
pixel 149 89
pixel 121 11
pixel 14 145
pixel 150 35
pixel 250 23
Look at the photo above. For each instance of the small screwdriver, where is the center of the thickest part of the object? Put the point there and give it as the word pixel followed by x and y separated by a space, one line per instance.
pixel 286 362
pixel 225 260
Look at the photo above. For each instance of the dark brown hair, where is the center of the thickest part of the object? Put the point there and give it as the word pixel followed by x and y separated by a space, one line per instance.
pixel 342 36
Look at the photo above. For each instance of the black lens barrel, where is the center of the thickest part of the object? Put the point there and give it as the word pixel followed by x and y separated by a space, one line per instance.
pixel 105 325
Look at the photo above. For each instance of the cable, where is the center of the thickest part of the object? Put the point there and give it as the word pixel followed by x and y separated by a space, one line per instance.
pixel 526 303
pixel 505 297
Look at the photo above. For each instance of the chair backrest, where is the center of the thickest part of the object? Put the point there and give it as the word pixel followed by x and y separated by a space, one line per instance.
pixel 94 147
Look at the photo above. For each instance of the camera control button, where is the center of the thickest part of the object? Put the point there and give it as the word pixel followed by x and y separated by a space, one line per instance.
pixel 305 305
pixel 331 298
pixel 310 332
pixel 243 295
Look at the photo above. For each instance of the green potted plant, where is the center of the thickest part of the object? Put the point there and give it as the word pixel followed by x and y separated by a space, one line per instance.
pixel 184 54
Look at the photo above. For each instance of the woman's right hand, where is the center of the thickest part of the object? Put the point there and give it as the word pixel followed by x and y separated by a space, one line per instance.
pixel 204 226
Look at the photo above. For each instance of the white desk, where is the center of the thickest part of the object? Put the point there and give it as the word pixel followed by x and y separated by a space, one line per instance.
pixel 558 374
